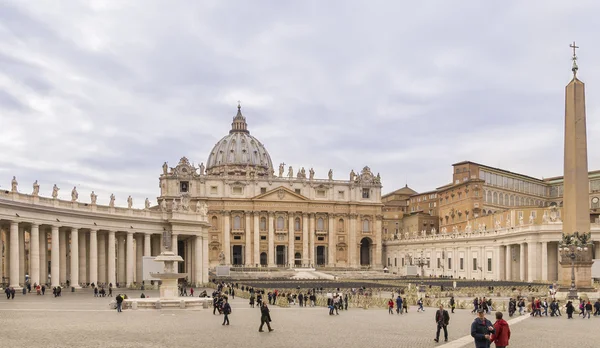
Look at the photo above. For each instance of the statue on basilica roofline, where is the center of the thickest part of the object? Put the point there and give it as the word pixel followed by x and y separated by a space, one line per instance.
pixel 165 168
pixel 281 169
pixel 352 176
pixel 302 173
pixel 330 174
pixel 74 194
pixel 202 168
pixel 36 189
pixel 311 174
pixel 14 184
pixel 129 202
pixel 93 197
pixel 147 203
pixel 163 205
pixel 55 191
pixel 290 172
pixel 531 219
pixel 112 201
pixel 201 208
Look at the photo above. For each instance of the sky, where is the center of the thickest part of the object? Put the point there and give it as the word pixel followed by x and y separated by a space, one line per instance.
pixel 98 94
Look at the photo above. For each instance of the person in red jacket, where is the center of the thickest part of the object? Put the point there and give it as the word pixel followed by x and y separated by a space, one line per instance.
pixel 391 306
pixel 502 332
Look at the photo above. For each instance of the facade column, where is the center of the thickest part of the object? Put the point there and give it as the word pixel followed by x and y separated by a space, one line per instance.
pixel 43 242
pixel 205 263
pixel 248 238
pixel 62 239
pixel 377 233
pixel 508 262
pixel 544 261
pixel 532 265
pixel 139 257
pixel 352 246
pixel 22 270
pixel 55 257
pixel 130 260
pixel 120 259
pixel 311 238
pixel 198 261
pixel 256 238
pixel 291 240
pixel 331 260
pixel 34 251
pixel 112 279
pixel 1 255
pixel 271 251
pixel 522 261
pixel 93 264
pixel 305 259
pixel 82 258
pixel 227 236
pixel 175 250
pixel 147 244
pixel 102 259
pixel 74 248
pixel 14 255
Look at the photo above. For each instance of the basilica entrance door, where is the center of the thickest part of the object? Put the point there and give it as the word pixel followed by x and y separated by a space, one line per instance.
pixel 365 251
pixel 263 259
pixel 321 255
pixel 298 259
pixel 237 259
pixel 280 255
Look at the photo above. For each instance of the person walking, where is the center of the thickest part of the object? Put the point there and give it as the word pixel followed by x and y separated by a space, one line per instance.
pixel 119 300
pixel 399 304
pixel 226 311
pixel 442 318
pixel 481 329
pixel 452 303
pixel 588 309
pixel 265 317
pixel 391 306
pixel 501 333
pixel 570 310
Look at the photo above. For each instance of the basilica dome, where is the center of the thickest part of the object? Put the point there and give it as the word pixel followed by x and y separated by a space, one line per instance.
pixel 239 153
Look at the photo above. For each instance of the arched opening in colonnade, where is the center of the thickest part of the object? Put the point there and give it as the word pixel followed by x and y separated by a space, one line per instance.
pixel 365 251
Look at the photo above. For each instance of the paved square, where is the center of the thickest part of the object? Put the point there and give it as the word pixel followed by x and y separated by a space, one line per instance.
pixel 80 320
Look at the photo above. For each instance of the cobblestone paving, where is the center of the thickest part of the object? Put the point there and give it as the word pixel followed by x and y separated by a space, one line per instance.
pixel 80 320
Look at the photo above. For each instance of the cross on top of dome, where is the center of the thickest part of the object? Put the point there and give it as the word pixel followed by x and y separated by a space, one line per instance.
pixel 239 122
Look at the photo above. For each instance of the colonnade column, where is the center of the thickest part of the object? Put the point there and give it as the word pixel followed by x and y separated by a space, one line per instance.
pixel 522 259
pixel 508 263
pixel 311 237
pixel 352 246
pixel 43 242
pixel 174 249
pixel 1 249
pixel 205 257
pixel 102 260
pixel 227 237
pixel 21 249
pixel 544 261
pixel 532 265
pixel 291 240
pixel 130 260
pixel 55 257
pixel 331 242
pixel 271 251
pixel 62 241
pixel 74 278
pixel 111 258
pixel 14 255
pixel 377 232
pixel 83 258
pixel 121 272
pixel 34 251
pixel 198 261
pixel 93 264
pixel 248 237
pixel 256 238
pixel 147 244
pixel 305 259
pixel 139 257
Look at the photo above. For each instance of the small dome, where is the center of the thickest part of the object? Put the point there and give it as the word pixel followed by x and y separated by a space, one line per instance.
pixel 238 152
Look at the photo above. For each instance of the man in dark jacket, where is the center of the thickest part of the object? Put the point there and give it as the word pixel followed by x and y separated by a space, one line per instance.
pixel 119 299
pixel 265 317
pixel 442 318
pixel 501 333
pixel 481 329
pixel 226 311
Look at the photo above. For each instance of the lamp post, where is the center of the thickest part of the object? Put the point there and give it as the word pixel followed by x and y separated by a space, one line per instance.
pixel 575 247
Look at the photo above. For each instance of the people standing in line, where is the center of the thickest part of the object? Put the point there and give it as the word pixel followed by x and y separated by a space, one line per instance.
pixel 265 318
pixel 226 311
pixel 501 334
pixel 452 303
pixel 481 329
pixel 442 319
pixel 391 306
pixel 119 300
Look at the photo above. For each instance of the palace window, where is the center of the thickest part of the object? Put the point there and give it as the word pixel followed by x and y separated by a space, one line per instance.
pixel 474 264
pixel 237 223
pixel 489 264
pixel 449 263
pixel 280 223
pixel 366 226
pixel 321 193
pixel 341 225
pixel 297 225
pixel 214 190
pixel 263 224
pixel 320 224
pixel 297 237
pixel 237 190
pixel 297 191
pixel 184 186
pixel 340 194
pixel 263 190
pixel 366 193
pixel 263 237
pixel 237 237
pixel 462 263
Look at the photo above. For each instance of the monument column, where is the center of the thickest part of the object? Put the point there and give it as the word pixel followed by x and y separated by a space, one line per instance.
pixel 311 237
pixel 256 238
pixel 227 237
pixel 74 248
pixel 508 263
pixel 198 261
pixel 34 250
pixel 55 257
pixel 331 260
pixel 291 240
pixel 522 259
pixel 130 260
pixel 93 257
pixel 14 255
pixel 111 258
pixel 271 251
pixel 305 259
pixel 248 240
pixel 82 258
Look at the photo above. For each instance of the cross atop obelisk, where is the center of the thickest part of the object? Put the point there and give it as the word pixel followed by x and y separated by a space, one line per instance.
pixel 574 58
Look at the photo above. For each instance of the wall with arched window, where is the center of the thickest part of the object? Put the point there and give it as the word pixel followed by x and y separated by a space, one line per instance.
pixel 320 224
pixel 297 224
pixel 340 225
pixel 237 222
pixel 366 225
pixel 280 223
pixel 263 223
pixel 214 223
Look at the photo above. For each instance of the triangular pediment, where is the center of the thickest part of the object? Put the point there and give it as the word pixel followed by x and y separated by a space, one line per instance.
pixel 281 194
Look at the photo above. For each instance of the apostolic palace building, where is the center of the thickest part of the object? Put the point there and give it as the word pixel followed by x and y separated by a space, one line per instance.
pixel 235 210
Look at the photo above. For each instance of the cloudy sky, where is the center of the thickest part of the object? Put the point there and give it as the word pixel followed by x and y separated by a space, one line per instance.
pixel 98 94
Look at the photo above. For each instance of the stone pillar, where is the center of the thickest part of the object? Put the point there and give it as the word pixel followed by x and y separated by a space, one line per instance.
pixel 74 248
pixel 120 260
pixel 111 259
pixel 156 245
pixel 522 260
pixel 248 237
pixel 508 262
pixel 34 251
pixel 175 250
pixel 55 257
pixel 1 253
pixel 62 239
pixel 139 256
pixel 227 236
pixel 82 258
pixel 499 255
pixel 532 265
pixel 198 261
pixel 331 242
pixel 204 258
pixel 22 270
pixel 291 240
pixel 256 238
pixel 305 259
pixel 378 242
pixel 130 260
pixel 271 252
pixel 352 244
pixel 544 261
pixel 102 259
pixel 43 242
pixel 93 266
pixel 147 244
pixel 311 237
pixel 14 255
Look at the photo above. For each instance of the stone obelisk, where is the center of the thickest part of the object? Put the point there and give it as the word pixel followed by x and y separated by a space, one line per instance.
pixel 576 211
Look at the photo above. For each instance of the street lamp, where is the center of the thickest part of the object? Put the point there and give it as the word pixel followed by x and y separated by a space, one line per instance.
pixel 574 247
